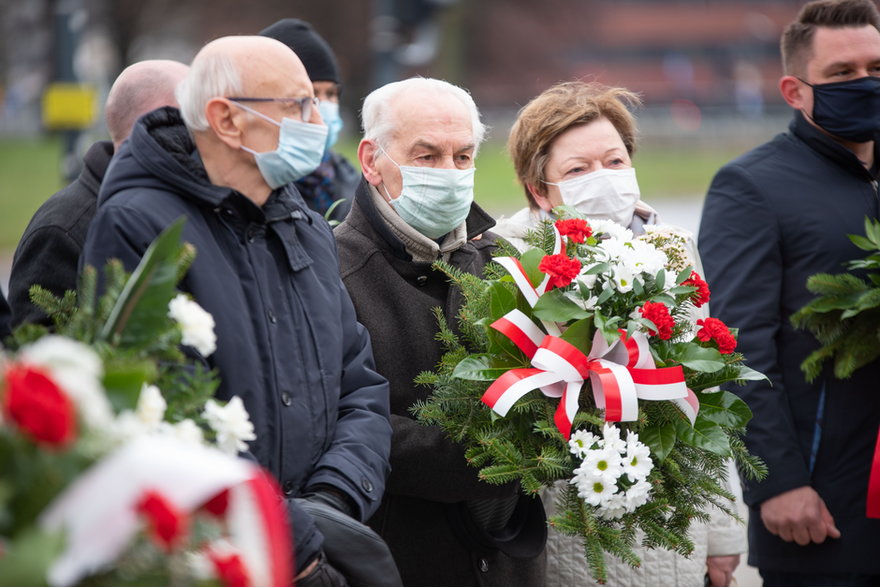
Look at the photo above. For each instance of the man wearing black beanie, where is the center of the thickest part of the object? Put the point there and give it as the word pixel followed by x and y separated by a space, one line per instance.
pixel 332 185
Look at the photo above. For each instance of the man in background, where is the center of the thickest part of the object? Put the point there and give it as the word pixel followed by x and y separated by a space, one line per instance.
pixel 331 186
pixel 772 218
pixel 49 249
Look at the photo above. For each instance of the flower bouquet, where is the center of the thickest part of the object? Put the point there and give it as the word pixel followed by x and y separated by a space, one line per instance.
pixel 586 360
pixel 116 465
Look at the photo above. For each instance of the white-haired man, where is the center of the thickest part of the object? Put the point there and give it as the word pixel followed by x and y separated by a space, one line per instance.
pixel 48 252
pixel 413 207
pixel 287 339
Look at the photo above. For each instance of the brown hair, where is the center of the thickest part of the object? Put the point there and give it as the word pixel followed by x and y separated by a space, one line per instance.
pixel 558 109
pixel 797 39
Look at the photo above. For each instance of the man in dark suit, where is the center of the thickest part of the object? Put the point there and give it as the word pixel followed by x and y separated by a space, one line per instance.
pixel 772 218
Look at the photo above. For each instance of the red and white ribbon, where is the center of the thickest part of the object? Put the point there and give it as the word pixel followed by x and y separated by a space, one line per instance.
pixel 620 375
pixel 98 515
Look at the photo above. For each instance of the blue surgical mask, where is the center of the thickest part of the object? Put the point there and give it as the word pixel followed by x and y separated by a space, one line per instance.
pixel 330 115
pixel 850 109
pixel 300 150
pixel 434 201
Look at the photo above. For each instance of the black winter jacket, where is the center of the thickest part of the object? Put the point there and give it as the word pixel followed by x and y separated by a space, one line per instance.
pixel 772 218
pixel 288 342
pixel 49 249
pixel 423 517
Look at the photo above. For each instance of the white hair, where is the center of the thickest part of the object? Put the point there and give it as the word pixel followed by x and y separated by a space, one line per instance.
pixel 378 117
pixel 210 76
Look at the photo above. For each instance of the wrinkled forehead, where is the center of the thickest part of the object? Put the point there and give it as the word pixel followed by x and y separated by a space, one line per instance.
pixel 421 116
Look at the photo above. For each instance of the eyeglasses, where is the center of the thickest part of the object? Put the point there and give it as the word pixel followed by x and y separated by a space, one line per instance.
pixel 305 104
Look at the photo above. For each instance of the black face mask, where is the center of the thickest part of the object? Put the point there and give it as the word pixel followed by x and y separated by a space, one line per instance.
pixel 849 110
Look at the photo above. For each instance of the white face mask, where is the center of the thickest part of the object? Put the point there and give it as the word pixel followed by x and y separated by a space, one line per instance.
pixel 610 194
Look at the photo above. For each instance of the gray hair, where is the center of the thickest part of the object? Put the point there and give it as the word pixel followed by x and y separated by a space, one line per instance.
pixel 210 76
pixel 378 116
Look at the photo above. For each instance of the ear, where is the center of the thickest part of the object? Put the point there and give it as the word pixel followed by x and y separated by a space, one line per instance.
pixel 793 90
pixel 367 151
pixel 225 121
pixel 541 199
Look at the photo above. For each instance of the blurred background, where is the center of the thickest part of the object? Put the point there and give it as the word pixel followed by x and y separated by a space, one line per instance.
pixel 706 69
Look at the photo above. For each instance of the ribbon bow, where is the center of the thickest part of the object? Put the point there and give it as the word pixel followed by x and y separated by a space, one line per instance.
pixel 620 375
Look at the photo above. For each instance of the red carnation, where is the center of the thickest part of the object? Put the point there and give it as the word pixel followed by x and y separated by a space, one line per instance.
pixel 701 296
pixel 167 522
pixel 715 329
pixel 560 268
pixel 658 313
pixel 218 504
pixel 230 569
pixel 576 229
pixel 38 406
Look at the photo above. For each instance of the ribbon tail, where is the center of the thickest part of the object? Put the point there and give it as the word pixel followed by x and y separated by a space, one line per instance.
pixel 567 408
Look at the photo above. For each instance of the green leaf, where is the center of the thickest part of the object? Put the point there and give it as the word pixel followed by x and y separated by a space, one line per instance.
pixel 481 368
pixel 597 268
pixel 142 306
pixel 123 382
pixel 744 373
pixel 693 356
pixel 556 307
pixel 660 279
pixel 660 439
pixel 27 557
pixel 704 435
pixel 862 242
pixel 501 300
pixel 580 334
pixel 724 408
pixel 530 260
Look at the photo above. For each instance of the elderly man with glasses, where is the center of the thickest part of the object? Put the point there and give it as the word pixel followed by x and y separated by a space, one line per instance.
pixel 288 342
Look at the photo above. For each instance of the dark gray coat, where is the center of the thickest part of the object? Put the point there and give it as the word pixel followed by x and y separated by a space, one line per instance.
pixel 49 249
pixel 773 217
pixel 423 517
pixel 288 342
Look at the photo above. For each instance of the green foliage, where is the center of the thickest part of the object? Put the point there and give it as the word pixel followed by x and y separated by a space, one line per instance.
pixel 845 315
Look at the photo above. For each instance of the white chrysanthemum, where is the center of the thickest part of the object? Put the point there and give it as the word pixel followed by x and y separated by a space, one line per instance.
pixel 604 463
pixel 610 228
pixel 645 257
pixel 613 508
pixel 594 490
pixel 637 495
pixel 623 278
pixel 77 370
pixel 637 463
pixel 581 442
pixel 151 406
pixel 196 325
pixel 611 437
pixel 231 423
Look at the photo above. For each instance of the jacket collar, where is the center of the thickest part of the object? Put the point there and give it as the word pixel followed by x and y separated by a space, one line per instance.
pixel 95 164
pixel 477 222
pixel 831 149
